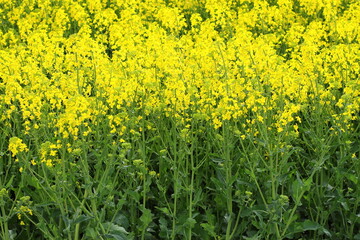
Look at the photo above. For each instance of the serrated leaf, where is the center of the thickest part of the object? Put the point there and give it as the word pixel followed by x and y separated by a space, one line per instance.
pixel 246 212
pixel 190 222
pixel 121 220
pixel 90 232
pixel 164 230
pixel 115 236
pixel 146 217
pixel 31 181
pixel 165 210
pixel 134 195
pixel 254 237
pixel 114 228
pixel 210 229
pixel 81 218
pixel 198 196
pixel 250 173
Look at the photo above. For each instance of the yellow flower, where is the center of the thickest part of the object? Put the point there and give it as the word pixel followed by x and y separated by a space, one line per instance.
pixel 16 145
pixel 49 163
pixel 26 209
pixel 137 162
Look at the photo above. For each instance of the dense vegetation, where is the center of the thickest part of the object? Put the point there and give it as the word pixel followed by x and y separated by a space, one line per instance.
pixel 179 119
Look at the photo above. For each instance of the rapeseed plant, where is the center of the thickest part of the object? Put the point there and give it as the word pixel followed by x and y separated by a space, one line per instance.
pixel 188 119
pixel 16 146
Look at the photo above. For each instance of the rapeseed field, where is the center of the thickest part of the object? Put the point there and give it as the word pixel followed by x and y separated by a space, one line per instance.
pixel 179 119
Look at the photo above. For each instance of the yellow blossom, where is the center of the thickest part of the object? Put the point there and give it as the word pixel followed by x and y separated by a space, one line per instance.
pixel 16 145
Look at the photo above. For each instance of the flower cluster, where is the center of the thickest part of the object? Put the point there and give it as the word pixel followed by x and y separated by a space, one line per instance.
pixel 16 146
pixel 69 65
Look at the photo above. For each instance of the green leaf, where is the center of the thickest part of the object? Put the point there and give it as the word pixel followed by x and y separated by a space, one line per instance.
pixel 344 205
pixel 310 226
pixel 246 212
pixel 210 229
pixel 91 233
pixel 307 225
pixel 8 184
pixel 324 230
pixel 250 173
pixel 116 236
pixel 165 210
pixel 197 196
pixel 299 188
pixel 352 178
pixel 190 222
pixel 254 237
pixel 296 188
pixel 133 194
pixel 121 220
pixel 146 217
pixel 31 181
pixel 307 184
pixel 114 228
pixel 164 230
pixel 81 218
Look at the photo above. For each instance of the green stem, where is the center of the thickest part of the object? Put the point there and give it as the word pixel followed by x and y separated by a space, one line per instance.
pixel 297 203
pixel 176 179
pixel 254 176
pixel 143 206
pixel 143 149
pixel 191 187
pixel 228 166
pixel 236 224
pixel 4 227
pixel 274 187
pixel 77 226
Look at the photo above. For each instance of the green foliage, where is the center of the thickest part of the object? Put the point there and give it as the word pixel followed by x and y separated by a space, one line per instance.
pixel 172 174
